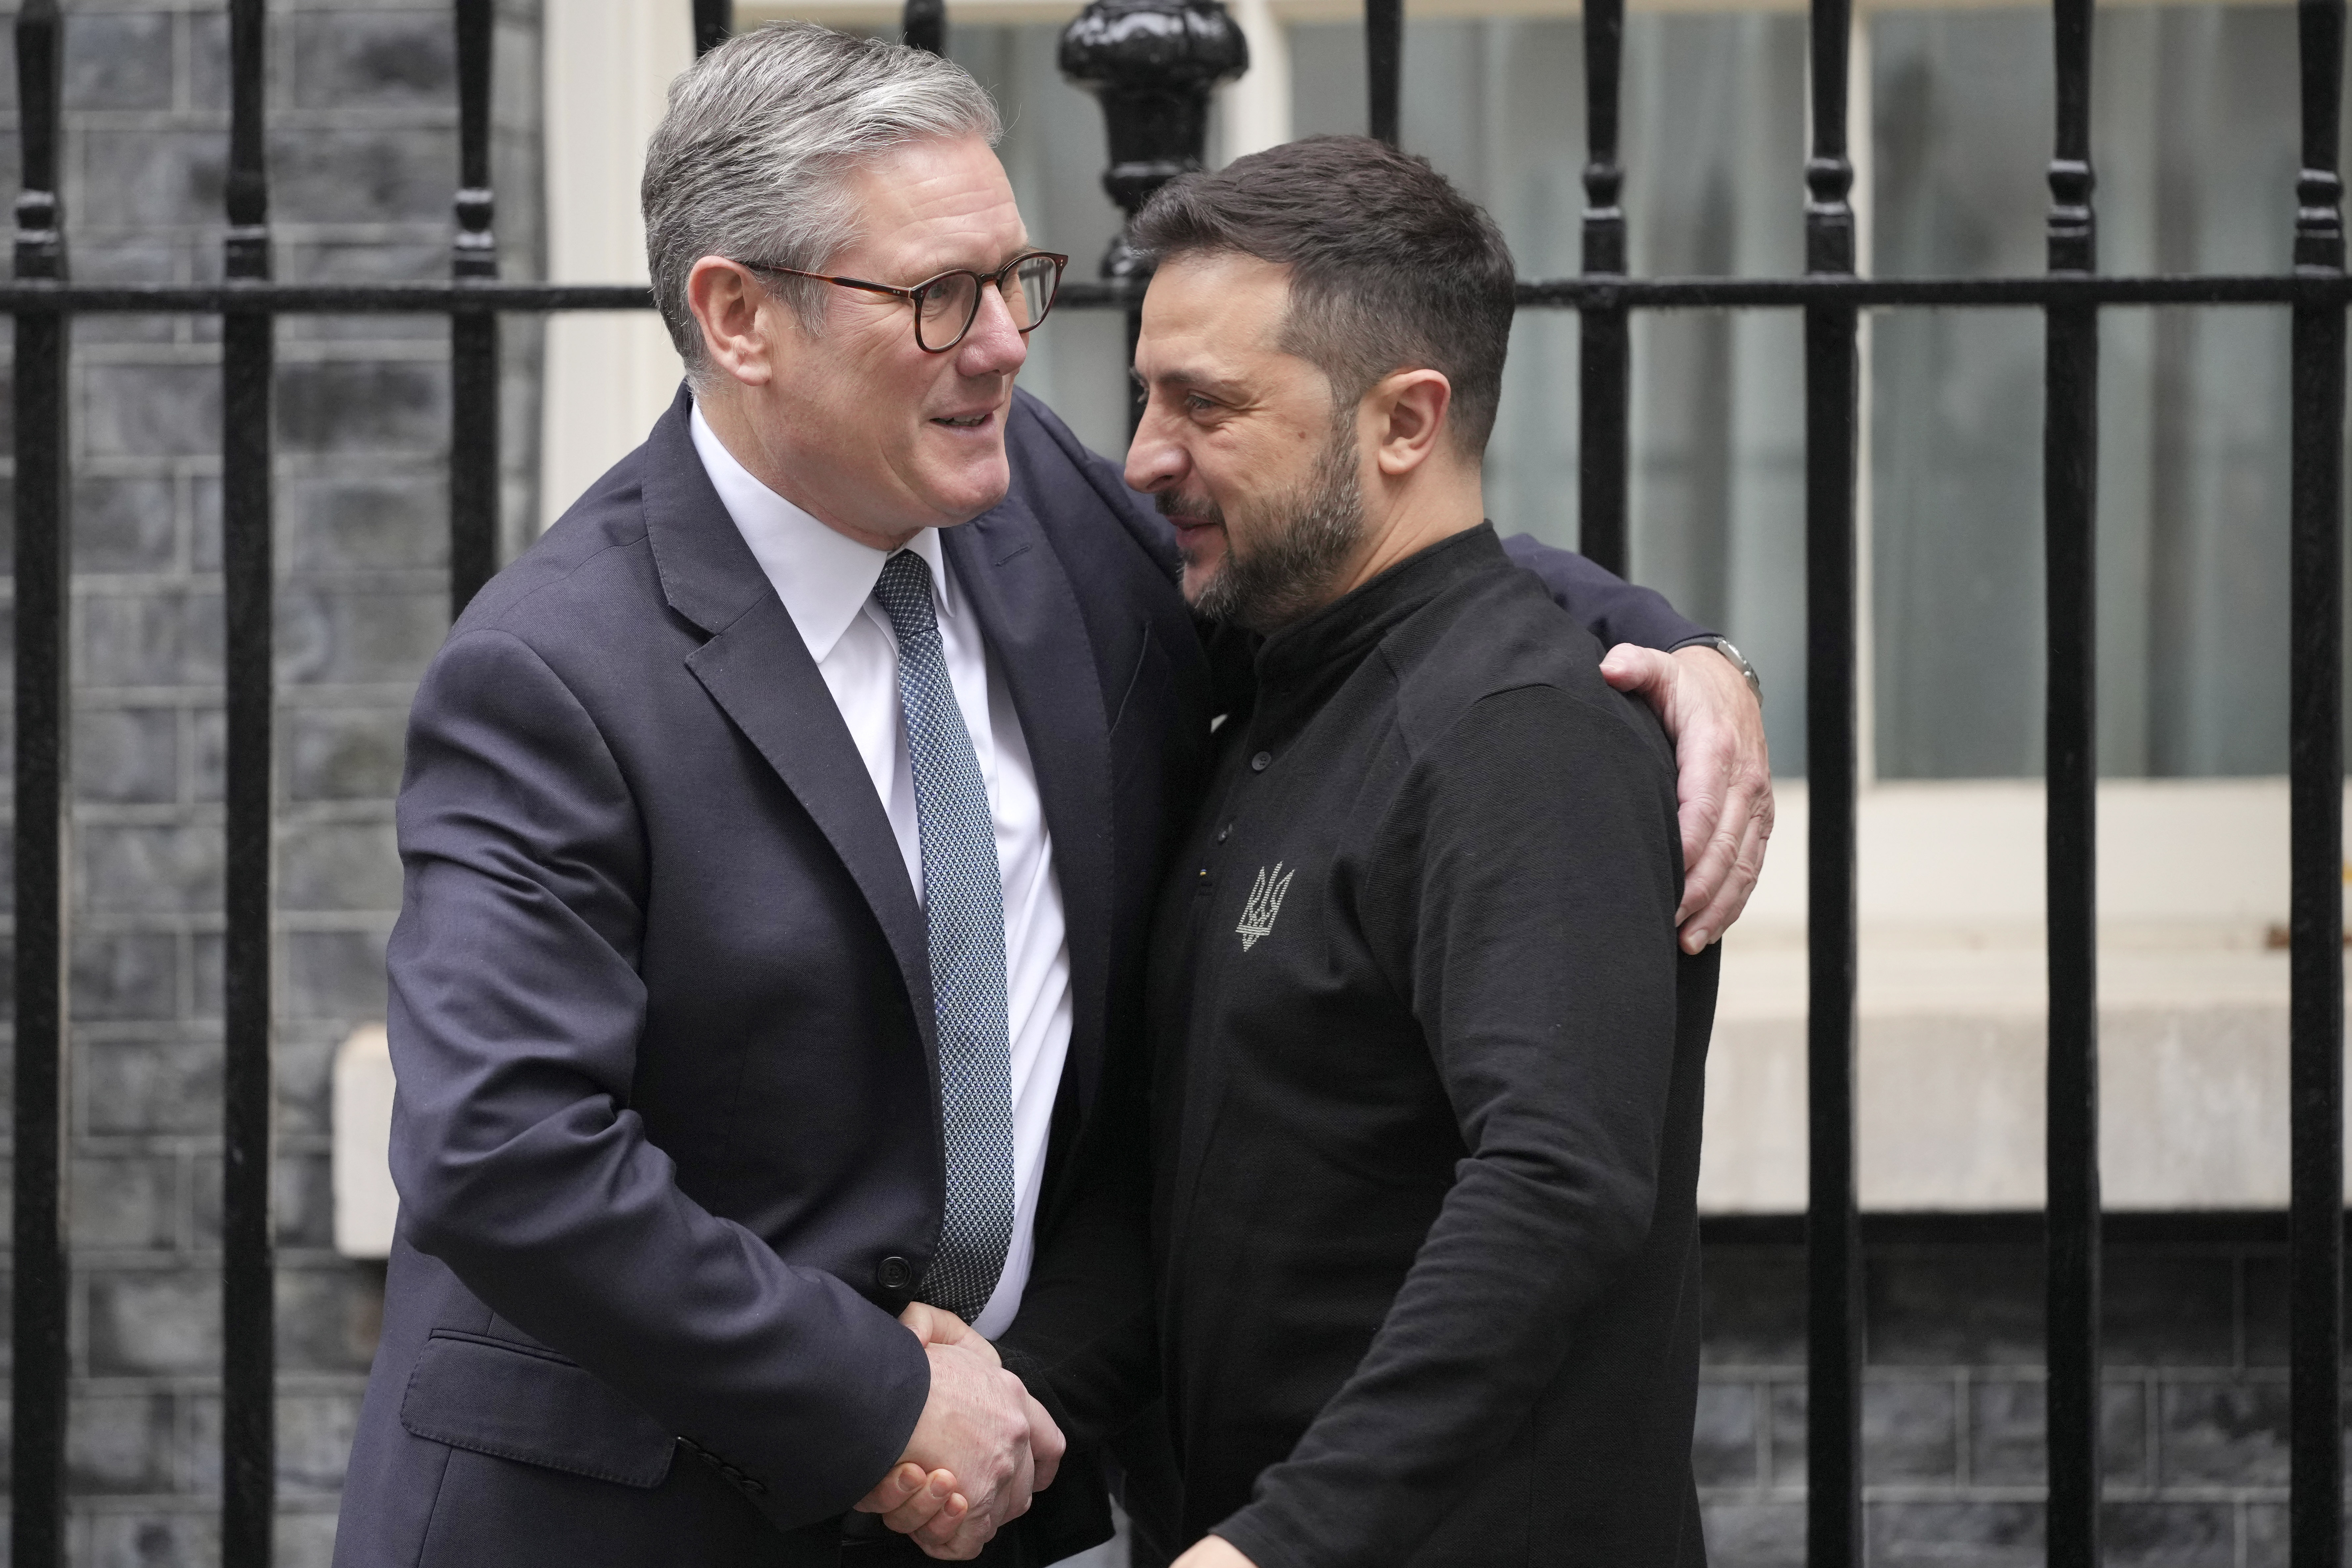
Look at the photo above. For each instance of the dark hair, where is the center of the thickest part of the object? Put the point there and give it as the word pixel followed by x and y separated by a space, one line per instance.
pixel 1391 266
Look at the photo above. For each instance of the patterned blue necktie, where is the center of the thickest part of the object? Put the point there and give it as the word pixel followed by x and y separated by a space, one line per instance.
pixel 963 905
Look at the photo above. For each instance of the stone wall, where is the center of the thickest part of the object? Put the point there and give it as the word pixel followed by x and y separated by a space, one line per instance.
pixel 2196 1408
pixel 363 161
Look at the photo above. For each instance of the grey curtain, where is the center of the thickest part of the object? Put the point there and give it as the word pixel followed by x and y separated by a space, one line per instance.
pixel 2194 144
pixel 1713 146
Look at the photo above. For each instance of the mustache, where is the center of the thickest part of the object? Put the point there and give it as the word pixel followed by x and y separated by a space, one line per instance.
pixel 1171 504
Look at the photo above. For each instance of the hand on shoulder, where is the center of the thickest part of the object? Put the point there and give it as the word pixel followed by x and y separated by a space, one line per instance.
pixel 1725 775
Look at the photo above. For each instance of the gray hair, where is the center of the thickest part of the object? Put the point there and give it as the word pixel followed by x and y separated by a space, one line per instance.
pixel 753 159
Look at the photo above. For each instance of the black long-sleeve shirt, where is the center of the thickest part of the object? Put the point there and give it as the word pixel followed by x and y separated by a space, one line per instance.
pixel 1424 1108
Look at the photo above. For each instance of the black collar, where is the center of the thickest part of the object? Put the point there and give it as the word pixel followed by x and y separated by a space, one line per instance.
pixel 1301 665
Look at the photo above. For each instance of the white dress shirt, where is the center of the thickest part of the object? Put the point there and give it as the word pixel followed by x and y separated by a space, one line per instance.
pixel 827 582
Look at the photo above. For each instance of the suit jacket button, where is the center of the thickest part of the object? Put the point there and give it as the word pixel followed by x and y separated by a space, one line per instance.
pixel 894 1274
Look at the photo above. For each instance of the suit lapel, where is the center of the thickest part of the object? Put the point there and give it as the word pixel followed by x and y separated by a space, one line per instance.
pixel 756 668
pixel 1029 615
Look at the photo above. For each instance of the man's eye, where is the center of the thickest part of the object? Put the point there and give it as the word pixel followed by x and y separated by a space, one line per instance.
pixel 1196 404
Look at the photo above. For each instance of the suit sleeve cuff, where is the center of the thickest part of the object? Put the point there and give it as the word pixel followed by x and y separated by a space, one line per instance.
pixel 1031 1373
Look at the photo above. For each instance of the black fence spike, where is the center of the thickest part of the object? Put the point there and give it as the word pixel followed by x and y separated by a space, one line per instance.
pixel 1384 68
pixel 473 333
pixel 1604 334
pixel 714 24
pixel 924 25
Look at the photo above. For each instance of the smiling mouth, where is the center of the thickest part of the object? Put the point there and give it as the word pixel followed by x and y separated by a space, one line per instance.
pixel 967 421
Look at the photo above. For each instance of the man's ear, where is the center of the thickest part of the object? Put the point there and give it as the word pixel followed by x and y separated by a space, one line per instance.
pixel 737 334
pixel 1408 408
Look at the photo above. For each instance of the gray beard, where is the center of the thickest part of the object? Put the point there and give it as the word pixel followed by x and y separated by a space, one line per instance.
pixel 1288 573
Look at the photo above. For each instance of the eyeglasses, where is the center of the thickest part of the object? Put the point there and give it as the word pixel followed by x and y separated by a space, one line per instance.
pixel 946 306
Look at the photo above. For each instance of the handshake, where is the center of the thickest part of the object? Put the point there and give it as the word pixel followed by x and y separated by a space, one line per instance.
pixel 980 1448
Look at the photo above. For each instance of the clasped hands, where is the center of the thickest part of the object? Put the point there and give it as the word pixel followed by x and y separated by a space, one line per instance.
pixel 981 1447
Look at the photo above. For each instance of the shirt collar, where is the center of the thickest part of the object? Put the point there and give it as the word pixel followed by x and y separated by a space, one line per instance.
pixel 824 576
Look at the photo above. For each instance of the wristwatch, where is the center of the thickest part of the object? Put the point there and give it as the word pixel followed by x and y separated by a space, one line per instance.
pixel 1723 646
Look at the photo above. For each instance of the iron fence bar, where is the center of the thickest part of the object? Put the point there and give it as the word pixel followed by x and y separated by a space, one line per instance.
pixel 473 333
pixel 1384 66
pixel 924 25
pixel 316 299
pixel 2316 765
pixel 2070 444
pixel 38 297
pixel 1884 293
pixel 248 1357
pixel 1604 338
pixel 43 559
pixel 1833 1259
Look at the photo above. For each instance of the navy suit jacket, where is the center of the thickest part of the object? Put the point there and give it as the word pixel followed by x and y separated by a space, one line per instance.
pixel 667 1135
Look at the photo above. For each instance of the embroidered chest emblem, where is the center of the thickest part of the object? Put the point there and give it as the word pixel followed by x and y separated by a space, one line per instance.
pixel 1265 903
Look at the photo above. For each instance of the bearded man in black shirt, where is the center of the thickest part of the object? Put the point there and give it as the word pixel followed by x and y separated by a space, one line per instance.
pixel 1401 1229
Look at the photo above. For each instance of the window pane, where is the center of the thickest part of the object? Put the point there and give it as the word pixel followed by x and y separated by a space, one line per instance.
pixel 2193 140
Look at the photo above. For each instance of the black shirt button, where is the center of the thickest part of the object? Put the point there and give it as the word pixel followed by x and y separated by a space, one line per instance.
pixel 1225 832
pixel 894 1274
pixel 1261 761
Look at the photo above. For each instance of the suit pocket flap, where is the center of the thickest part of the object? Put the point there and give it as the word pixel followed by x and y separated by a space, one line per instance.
pixel 482 1396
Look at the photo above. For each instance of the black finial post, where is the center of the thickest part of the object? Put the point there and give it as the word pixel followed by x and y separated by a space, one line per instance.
pixel 1154 64
pixel 36 1532
pixel 924 25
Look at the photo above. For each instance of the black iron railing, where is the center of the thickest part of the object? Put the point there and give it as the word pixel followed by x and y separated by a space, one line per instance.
pixel 1153 93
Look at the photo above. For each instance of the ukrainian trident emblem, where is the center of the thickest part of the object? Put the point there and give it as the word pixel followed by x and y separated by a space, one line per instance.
pixel 1265 903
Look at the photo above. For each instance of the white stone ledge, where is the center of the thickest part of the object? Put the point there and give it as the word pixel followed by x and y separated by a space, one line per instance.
pixel 1952 1001
pixel 366 1205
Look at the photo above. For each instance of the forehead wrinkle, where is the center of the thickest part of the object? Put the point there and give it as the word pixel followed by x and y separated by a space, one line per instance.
pixel 948 258
pixel 1196 380
pixel 939 219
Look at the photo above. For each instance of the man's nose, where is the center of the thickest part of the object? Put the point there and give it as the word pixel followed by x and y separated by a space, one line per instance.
pixel 1155 460
pixel 995 346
